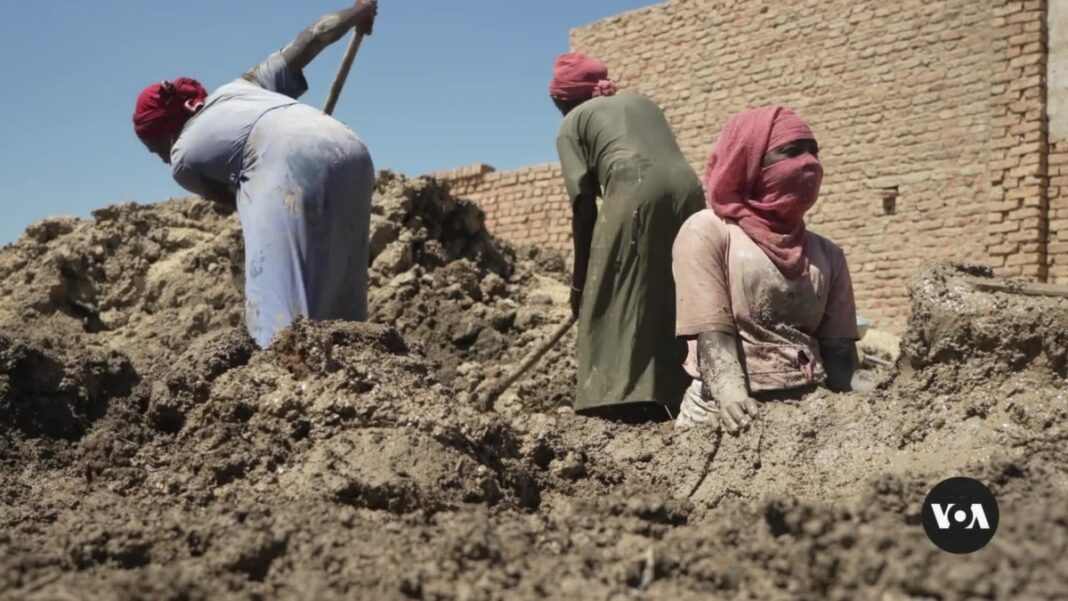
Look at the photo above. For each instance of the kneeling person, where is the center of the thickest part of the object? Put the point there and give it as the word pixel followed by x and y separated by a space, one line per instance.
pixel 766 306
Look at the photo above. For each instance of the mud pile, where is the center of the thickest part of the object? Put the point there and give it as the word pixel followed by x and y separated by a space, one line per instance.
pixel 472 303
pixel 238 470
pixel 148 279
pixel 157 463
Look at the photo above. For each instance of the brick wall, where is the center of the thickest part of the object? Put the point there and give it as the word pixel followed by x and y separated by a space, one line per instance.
pixel 930 116
pixel 524 206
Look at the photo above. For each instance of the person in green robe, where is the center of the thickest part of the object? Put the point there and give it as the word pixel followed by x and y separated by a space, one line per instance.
pixel 621 148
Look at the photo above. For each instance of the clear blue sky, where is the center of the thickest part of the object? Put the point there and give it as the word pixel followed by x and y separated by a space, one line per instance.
pixel 440 84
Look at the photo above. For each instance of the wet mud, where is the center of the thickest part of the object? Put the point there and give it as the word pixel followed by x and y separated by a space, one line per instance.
pixel 148 449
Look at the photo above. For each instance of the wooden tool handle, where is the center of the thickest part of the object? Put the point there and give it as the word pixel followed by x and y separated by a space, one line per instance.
pixel 490 396
pixel 343 72
pixel 1026 288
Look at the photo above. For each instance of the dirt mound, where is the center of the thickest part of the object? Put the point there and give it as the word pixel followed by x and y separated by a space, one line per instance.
pixel 148 450
pixel 822 499
pixel 474 304
pixel 54 394
pixel 143 279
pixel 230 466
pixel 332 409
pixel 148 279
pixel 958 334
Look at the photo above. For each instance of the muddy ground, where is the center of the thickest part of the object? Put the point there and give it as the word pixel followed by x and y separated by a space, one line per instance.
pixel 149 451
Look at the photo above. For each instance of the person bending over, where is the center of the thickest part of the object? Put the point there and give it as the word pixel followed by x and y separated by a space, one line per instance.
pixel 300 180
pixel 621 148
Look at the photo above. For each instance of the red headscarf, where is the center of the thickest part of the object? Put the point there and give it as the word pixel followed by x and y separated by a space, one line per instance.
pixel 768 203
pixel 580 77
pixel 163 108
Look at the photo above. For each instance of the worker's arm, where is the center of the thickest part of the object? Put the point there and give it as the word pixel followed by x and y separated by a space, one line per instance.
pixel 220 194
pixel 839 361
pixel 327 30
pixel 192 179
pixel 723 376
pixel 583 219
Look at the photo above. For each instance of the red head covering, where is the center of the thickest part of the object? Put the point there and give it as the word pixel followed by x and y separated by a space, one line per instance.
pixel 580 77
pixel 768 203
pixel 163 108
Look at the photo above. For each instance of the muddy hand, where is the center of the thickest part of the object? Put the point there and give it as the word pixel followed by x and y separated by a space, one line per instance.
pixel 737 414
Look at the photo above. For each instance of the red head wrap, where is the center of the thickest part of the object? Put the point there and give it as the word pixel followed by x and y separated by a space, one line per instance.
pixel 580 77
pixel 768 203
pixel 163 108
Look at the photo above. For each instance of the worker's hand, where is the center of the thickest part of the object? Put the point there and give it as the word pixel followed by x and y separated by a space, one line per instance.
pixel 697 410
pixel 736 414
pixel 576 301
pixel 369 10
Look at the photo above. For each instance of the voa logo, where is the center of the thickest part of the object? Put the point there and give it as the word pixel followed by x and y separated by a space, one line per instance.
pixel 978 516
pixel 960 515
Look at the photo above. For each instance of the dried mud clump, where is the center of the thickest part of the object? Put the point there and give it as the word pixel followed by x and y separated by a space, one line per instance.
pixel 48 393
pixel 472 303
pixel 143 278
pixel 965 333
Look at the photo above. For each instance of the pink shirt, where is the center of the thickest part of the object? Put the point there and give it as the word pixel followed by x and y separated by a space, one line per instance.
pixel 726 283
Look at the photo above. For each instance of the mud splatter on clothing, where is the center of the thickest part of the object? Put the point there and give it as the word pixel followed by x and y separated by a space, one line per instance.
pixel 726 283
pixel 303 183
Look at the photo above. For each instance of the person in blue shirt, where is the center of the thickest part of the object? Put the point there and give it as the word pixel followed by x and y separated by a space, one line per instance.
pixel 300 180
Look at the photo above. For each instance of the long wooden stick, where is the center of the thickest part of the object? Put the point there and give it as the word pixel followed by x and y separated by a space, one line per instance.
pixel 343 72
pixel 1027 288
pixel 489 397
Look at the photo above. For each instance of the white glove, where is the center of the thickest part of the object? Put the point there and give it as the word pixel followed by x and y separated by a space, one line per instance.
pixel 697 409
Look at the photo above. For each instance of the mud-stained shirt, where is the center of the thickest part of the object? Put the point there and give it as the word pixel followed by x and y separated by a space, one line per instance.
pixel 726 283
pixel 209 149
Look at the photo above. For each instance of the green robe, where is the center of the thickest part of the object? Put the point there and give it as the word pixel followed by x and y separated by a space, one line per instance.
pixel 622 149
